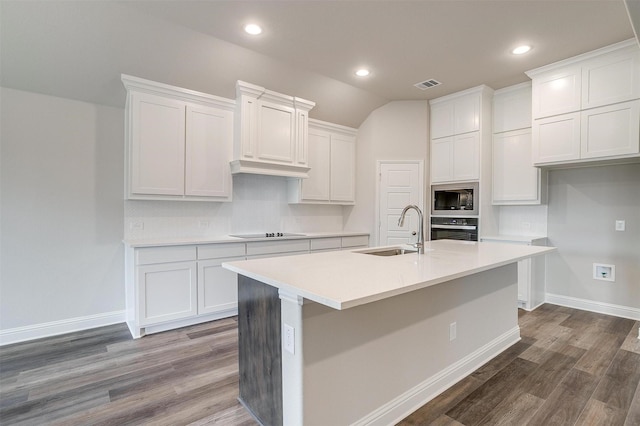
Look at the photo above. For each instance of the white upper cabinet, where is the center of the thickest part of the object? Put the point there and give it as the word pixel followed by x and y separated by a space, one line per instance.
pixel 332 162
pixel 271 132
pixel 585 108
pixel 460 115
pixel 515 180
pixel 512 108
pixel 557 92
pixel 178 143
pixel 459 125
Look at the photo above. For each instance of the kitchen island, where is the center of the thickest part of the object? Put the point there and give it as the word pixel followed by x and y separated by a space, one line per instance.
pixel 354 338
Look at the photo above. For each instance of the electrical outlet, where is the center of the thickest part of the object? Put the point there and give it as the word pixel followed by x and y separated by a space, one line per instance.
pixel 604 272
pixel 136 226
pixel 620 225
pixel 453 331
pixel 289 339
pixel 203 224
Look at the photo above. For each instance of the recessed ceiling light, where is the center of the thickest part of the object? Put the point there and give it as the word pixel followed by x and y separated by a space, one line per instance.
pixel 362 72
pixel 253 29
pixel 520 50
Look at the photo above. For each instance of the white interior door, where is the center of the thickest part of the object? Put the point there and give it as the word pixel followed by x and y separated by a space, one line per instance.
pixel 400 184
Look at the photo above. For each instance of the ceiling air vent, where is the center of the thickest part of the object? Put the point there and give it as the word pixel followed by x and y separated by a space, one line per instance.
pixel 427 84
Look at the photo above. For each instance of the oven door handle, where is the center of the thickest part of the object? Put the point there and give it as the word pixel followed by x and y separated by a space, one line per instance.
pixel 461 227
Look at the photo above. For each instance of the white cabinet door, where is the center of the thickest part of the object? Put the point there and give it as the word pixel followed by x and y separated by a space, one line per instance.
pixel 611 79
pixel 455 116
pixel 466 114
pixel 166 292
pixel 442 159
pixel 343 159
pixel 317 186
pixel 556 138
pixel 611 130
pixel 275 132
pixel 514 177
pixel 466 156
pixel 441 119
pixel 556 93
pixel 209 136
pixel 157 145
pixel 512 109
pixel 217 287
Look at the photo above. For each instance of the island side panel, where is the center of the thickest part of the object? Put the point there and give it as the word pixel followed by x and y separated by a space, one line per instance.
pixel 260 350
pixel 376 363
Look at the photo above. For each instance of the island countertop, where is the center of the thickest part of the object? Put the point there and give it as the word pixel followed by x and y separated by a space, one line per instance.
pixel 345 279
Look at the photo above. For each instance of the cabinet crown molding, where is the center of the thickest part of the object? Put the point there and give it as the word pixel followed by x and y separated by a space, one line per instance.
pixel 331 127
pixel 482 89
pixel 155 88
pixel 630 44
pixel 258 92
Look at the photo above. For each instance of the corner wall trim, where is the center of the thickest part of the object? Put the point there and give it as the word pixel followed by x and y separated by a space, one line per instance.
pixel 54 328
pixel 593 306
pixel 405 404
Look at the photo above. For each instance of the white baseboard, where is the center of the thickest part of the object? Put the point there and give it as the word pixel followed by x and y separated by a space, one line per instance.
pixel 54 328
pixel 593 306
pixel 405 404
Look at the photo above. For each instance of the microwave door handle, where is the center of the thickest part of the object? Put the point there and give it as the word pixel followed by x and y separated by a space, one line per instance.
pixel 462 227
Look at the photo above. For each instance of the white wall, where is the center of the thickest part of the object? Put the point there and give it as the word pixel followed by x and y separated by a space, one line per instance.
pixel 61 222
pixel 584 204
pixel 395 131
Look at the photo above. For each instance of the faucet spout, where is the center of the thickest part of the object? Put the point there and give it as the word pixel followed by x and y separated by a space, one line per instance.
pixel 420 243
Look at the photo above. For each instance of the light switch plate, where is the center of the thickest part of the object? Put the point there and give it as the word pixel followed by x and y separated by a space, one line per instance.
pixel 620 225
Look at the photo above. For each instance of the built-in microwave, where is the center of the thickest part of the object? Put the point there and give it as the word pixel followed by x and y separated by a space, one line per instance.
pixel 456 199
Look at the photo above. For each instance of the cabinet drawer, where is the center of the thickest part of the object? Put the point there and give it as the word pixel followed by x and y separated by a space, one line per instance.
pixel 217 251
pixel 355 241
pixel 269 247
pixel 150 255
pixel 326 244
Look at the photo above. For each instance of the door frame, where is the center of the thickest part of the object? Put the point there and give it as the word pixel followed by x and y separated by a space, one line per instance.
pixel 379 164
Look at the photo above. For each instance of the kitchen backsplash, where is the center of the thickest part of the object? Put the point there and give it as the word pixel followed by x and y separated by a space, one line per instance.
pixel 259 205
pixel 523 220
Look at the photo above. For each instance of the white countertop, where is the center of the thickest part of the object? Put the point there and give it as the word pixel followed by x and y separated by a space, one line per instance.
pixel 179 241
pixel 514 238
pixel 346 279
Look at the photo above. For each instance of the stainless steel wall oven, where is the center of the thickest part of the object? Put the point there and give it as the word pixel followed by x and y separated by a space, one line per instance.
pixel 454 228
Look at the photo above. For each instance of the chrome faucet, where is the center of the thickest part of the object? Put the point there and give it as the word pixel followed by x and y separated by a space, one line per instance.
pixel 420 243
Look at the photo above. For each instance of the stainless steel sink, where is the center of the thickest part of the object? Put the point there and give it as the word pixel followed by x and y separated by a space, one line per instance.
pixel 267 235
pixel 389 251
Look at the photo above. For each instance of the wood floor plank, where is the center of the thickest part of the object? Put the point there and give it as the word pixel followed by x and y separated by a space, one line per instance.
pixel 598 358
pixel 566 402
pixel 492 367
pixel 516 409
pixel 544 379
pixel 483 400
pixel 598 413
pixel 632 341
pixel 443 402
pixel 633 415
pixel 618 386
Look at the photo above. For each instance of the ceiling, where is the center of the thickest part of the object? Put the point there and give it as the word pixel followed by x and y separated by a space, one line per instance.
pixel 310 49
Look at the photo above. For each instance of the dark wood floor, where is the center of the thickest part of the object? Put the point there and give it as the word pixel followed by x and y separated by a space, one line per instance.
pixel 571 367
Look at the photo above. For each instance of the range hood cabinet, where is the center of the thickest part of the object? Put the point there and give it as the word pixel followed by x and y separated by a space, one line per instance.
pixel 271 133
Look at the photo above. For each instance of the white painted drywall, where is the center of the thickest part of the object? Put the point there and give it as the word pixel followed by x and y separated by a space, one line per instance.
pixel 584 204
pixel 395 131
pixel 61 223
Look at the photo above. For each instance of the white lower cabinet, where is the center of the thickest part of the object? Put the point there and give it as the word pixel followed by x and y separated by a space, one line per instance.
pixel 168 287
pixel 217 287
pixel 166 292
